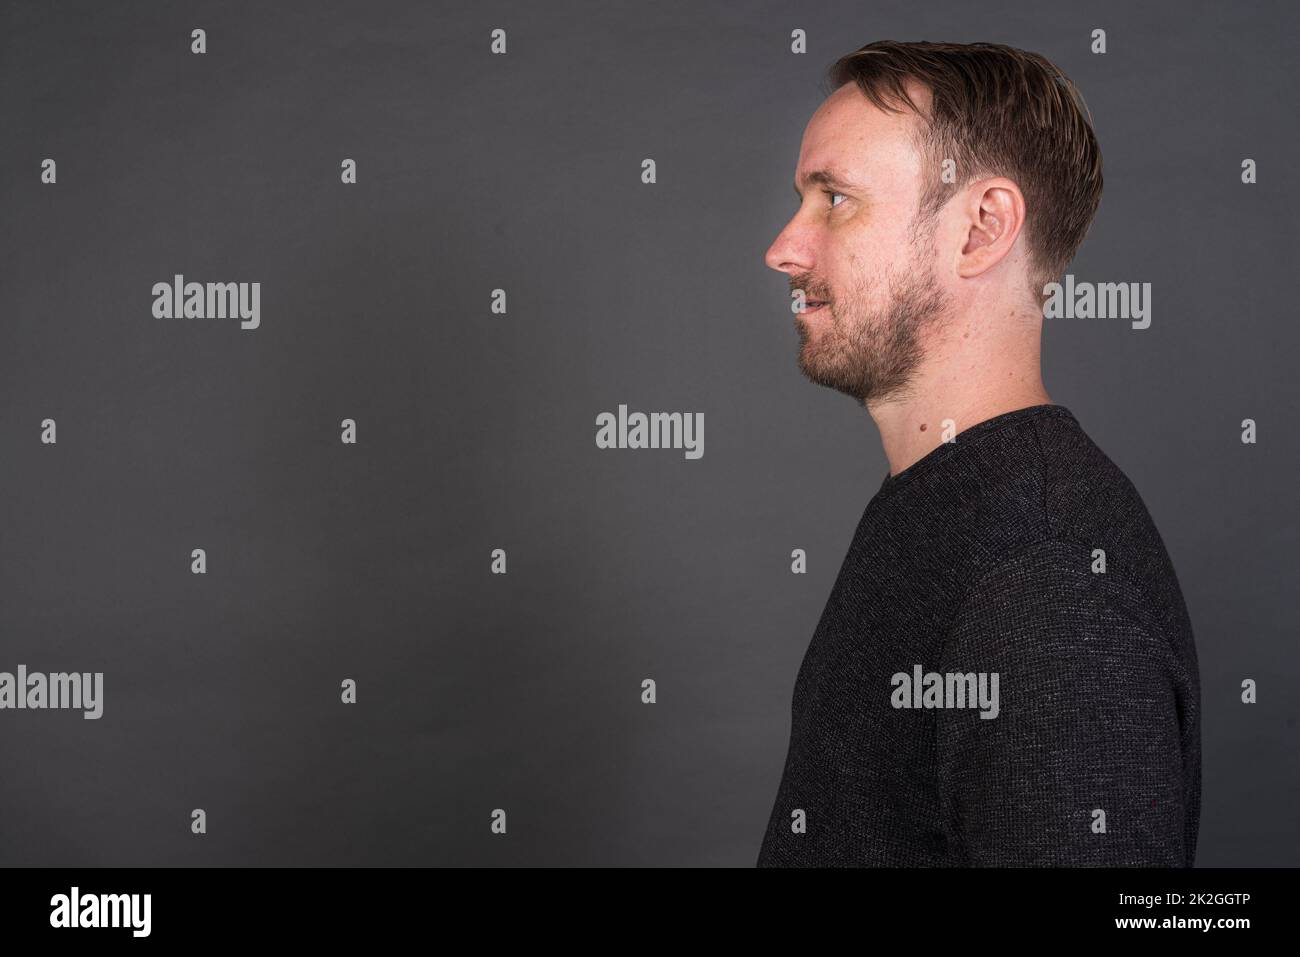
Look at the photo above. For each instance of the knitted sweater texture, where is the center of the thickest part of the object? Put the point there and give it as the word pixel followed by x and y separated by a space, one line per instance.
pixel 1004 673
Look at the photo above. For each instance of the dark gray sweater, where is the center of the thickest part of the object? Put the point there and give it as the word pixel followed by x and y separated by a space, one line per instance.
pixel 985 558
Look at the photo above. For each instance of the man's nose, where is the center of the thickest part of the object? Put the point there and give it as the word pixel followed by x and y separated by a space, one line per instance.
pixel 789 251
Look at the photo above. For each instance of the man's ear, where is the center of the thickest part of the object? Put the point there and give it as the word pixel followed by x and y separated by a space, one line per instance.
pixel 994 216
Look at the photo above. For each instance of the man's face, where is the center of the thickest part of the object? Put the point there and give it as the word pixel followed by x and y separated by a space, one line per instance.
pixel 856 245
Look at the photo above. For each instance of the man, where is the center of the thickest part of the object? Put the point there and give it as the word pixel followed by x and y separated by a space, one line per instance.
pixel 1004 673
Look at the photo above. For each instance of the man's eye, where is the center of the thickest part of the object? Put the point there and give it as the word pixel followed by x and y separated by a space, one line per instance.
pixel 833 195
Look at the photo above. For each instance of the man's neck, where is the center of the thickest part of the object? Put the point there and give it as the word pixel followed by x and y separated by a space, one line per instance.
pixel 945 401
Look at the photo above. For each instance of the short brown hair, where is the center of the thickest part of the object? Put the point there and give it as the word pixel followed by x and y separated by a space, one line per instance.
pixel 995 111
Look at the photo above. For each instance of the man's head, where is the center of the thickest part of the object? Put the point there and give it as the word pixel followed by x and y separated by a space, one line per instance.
pixel 936 179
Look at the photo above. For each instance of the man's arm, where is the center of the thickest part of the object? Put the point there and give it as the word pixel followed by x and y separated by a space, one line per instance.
pixel 1082 764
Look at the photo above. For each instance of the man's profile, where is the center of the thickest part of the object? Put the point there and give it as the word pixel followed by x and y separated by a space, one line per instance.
pixel 1004 673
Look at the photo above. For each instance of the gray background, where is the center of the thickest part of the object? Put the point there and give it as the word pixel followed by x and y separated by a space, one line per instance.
pixel 476 430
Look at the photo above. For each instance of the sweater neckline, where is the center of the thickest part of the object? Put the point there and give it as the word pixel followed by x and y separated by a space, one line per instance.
pixel 945 451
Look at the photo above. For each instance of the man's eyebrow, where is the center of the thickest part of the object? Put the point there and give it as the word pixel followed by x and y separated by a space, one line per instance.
pixel 825 177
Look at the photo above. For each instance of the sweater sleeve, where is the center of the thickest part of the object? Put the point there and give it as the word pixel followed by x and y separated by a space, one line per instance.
pixel 1081 766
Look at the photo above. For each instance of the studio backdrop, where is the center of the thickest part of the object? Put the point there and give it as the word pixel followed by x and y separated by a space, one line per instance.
pixel 326 333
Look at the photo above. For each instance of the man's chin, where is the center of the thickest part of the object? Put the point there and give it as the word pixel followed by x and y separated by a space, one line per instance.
pixel 817 373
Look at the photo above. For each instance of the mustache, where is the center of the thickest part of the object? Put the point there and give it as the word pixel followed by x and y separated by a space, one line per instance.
pixel 811 289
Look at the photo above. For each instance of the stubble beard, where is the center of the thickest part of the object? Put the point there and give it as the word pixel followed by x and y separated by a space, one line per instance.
pixel 874 357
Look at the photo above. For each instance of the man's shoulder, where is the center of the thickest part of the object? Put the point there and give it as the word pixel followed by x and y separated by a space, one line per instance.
pixel 1059 587
pixel 1085 494
pixel 1060 505
pixel 1096 520
pixel 1058 576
